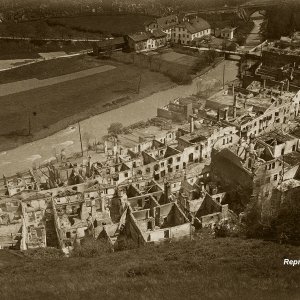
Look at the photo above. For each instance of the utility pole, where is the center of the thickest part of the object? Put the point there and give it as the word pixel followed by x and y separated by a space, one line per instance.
pixel 224 75
pixel 29 121
pixel 29 124
pixel 80 138
pixel 139 84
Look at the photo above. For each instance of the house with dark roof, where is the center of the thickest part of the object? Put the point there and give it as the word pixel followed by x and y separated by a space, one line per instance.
pixel 108 45
pixel 143 41
pixel 165 24
pixel 186 32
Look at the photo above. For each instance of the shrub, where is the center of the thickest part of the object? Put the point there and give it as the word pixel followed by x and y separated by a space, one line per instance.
pixel 115 128
pixel 89 247
pixel 282 227
pixel 42 253
pixel 126 244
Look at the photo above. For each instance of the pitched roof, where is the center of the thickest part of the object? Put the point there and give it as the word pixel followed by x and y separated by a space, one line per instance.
pixel 158 34
pixel 144 36
pixel 110 42
pixel 228 29
pixel 147 23
pixel 167 22
pixel 196 25
pixel 139 36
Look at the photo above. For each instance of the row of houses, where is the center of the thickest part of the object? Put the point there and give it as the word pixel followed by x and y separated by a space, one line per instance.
pixel 163 187
pixel 169 29
pixel 143 193
pixel 161 31
pixel 142 211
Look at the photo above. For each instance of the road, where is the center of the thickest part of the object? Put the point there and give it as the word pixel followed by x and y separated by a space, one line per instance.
pixel 254 38
pixel 17 63
pixel 48 40
pixel 23 157
pixel 30 84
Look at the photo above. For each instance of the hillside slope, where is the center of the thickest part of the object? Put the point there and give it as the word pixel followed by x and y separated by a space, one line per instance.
pixel 201 269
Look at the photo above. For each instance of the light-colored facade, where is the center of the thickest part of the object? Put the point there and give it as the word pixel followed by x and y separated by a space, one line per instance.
pixel 184 33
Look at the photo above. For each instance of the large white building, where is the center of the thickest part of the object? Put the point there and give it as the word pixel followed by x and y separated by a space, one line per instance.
pixel 165 24
pixel 184 33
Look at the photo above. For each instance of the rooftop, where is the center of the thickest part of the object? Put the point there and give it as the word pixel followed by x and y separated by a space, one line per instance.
pixel 139 36
pixel 201 133
pixel 167 22
pixel 110 42
pixel 196 25
pixel 292 158
pixel 158 34
pixel 296 132
pixel 274 138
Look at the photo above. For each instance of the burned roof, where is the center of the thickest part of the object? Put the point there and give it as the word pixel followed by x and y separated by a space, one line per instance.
pixel 273 138
pixel 292 158
pixel 296 132
pixel 201 133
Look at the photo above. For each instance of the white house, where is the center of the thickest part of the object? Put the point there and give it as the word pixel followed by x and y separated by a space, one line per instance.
pixel 165 24
pixel 227 33
pixel 186 32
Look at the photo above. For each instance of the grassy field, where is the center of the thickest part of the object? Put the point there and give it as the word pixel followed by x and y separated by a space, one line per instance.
pixel 12 49
pixel 200 269
pixel 50 68
pixel 70 101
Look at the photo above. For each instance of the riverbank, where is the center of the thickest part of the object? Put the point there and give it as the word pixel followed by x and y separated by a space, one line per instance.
pixel 22 157
pixel 55 94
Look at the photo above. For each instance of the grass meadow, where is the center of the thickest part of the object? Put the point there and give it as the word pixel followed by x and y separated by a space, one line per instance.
pixel 225 268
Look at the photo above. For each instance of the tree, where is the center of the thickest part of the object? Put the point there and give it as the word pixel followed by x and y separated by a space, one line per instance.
pixel 26 31
pixel 63 32
pixel 13 29
pixel 211 55
pixel 115 128
pixel 41 30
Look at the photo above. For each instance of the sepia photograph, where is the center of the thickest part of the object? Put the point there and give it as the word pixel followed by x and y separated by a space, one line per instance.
pixel 150 149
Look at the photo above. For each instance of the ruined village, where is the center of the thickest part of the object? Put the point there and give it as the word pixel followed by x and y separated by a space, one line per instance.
pixel 217 157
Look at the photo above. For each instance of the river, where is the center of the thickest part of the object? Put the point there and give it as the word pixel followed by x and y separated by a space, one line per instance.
pixel 23 157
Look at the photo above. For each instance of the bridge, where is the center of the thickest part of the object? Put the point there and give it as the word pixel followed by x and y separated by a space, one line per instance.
pixel 238 53
pixel 245 10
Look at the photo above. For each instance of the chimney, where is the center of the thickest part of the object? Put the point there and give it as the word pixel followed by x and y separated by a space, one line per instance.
pixel 281 88
pixel 192 125
pixel 218 115
pixel 167 191
pixel 234 106
pixel 264 83
pixel 246 154
pixel 288 86
pixel 202 188
pixel 226 114
pixel 233 90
